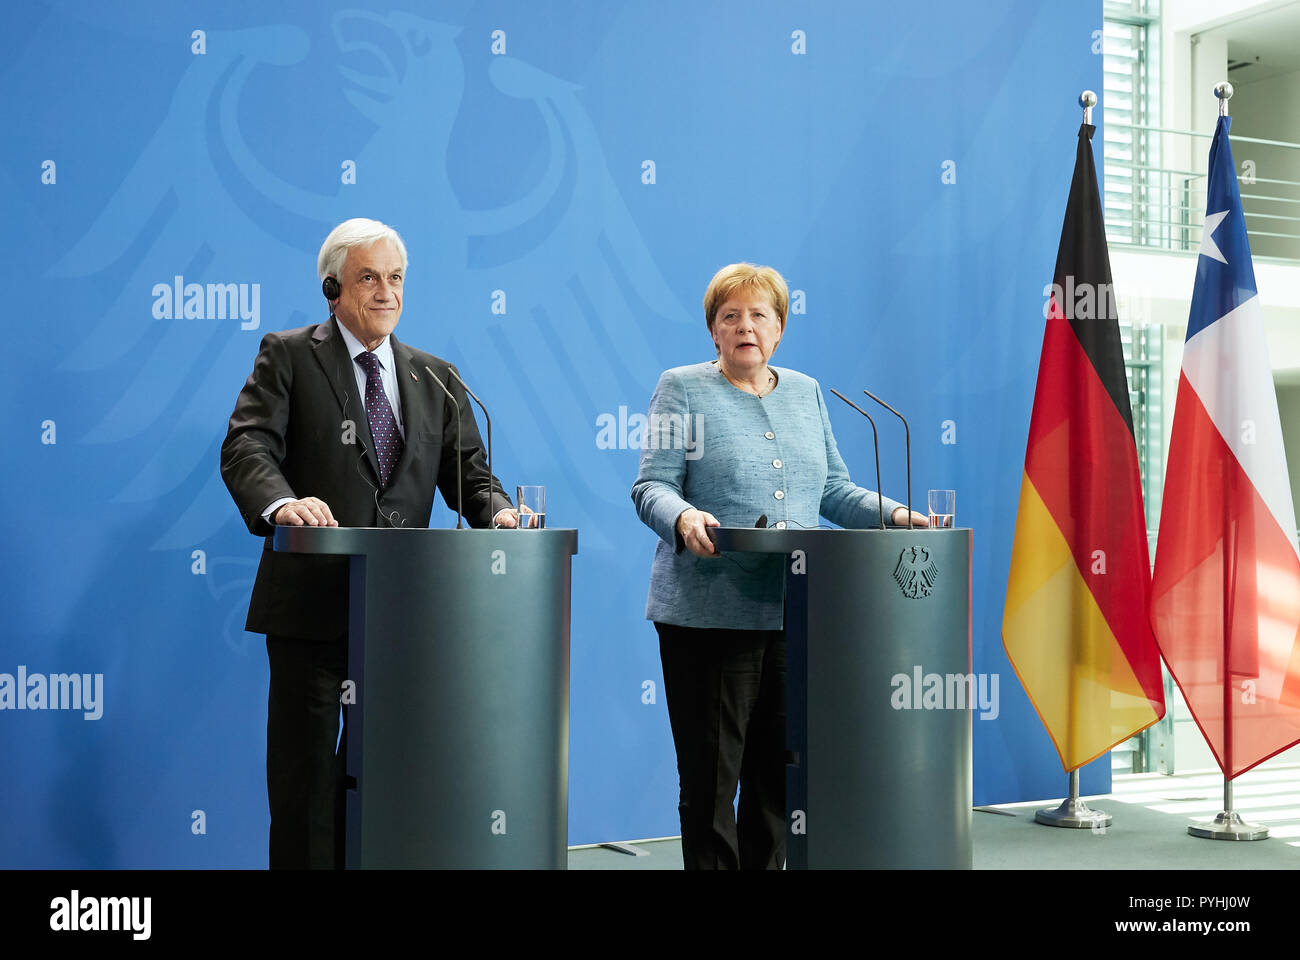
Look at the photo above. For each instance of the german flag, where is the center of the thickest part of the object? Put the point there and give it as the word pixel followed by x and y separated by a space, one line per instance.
pixel 1075 625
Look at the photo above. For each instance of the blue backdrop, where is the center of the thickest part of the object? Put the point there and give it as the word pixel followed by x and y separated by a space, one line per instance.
pixel 567 177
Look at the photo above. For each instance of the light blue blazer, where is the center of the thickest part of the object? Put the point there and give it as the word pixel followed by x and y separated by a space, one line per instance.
pixel 714 447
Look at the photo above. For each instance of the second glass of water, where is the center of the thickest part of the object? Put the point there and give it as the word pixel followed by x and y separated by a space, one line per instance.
pixel 532 507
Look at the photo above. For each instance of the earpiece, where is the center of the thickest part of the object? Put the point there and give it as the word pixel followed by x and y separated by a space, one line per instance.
pixel 330 287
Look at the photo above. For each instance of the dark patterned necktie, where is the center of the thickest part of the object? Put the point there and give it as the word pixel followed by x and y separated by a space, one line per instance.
pixel 383 425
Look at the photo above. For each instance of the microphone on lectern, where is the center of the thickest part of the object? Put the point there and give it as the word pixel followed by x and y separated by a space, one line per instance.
pixel 907 433
pixel 459 513
pixel 875 442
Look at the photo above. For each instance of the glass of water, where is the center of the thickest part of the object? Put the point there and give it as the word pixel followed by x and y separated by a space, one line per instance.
pixel 532 507
pixel 943 508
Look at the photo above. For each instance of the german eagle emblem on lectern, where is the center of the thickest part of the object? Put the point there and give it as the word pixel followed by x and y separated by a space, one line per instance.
pixel 916 573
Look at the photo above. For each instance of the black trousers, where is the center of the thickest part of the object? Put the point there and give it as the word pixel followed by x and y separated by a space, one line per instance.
pixel 726 702
pixel 304 767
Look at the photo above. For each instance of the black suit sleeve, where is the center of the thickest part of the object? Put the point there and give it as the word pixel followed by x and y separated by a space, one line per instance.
pixel 482 492
pixel 254 446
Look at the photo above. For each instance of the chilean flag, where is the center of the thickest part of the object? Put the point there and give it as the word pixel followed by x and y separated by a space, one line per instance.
pixel 1225 595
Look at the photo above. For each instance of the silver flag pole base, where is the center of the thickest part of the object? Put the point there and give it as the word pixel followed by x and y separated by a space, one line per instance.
pixel 1073 812
pixel 1228 826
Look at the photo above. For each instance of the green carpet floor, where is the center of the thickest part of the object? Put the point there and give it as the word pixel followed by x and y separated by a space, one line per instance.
pixel 1149 830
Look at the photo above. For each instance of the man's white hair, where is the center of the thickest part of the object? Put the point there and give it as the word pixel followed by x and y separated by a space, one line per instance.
pixel 357 232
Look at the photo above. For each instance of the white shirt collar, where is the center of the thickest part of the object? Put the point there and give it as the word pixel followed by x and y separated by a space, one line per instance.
pixel 384 351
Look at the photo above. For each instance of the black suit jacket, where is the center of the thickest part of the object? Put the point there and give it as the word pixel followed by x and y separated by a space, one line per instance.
pixel 299 429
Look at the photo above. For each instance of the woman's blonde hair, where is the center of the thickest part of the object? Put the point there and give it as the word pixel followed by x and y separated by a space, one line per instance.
pixel 750 278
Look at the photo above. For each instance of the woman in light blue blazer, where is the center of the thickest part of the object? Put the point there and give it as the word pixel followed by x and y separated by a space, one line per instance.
pixel 728 442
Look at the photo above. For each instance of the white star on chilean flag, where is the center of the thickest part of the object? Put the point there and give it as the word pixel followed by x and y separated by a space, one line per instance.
pixel 1225 594
pixel 1208 247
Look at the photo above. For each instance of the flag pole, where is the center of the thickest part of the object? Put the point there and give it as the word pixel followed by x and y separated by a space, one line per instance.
pixel 1073 812
pixel 1228 825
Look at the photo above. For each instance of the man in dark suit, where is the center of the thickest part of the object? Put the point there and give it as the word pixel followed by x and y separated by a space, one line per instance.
pixel 338 424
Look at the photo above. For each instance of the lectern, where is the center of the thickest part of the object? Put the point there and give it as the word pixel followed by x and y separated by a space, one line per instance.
pixel 458 657
pixel 877 778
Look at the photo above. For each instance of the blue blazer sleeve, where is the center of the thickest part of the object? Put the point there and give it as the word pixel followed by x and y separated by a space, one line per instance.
pixel 657 492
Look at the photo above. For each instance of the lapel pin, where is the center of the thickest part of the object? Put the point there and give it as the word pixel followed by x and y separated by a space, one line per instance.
pixel 414 377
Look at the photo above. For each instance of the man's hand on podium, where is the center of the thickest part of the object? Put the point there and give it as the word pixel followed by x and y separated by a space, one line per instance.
pixel 309 511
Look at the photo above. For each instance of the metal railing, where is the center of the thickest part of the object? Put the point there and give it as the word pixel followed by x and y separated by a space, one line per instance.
pixel 1149 204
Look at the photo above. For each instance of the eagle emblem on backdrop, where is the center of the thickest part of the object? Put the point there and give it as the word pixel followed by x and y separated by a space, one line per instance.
pixel 916 572
pixel 202 201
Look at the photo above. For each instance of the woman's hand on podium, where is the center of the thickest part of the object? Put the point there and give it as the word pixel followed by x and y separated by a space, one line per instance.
pixel 899 518
pixel 691 528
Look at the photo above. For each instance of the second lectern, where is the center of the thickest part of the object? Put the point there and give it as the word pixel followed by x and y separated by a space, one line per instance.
pixel 879 775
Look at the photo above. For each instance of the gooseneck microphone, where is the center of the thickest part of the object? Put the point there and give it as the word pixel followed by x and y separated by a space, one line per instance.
pixel 907 433
pixel 459 514
pixel 474 397
pixel 875 442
